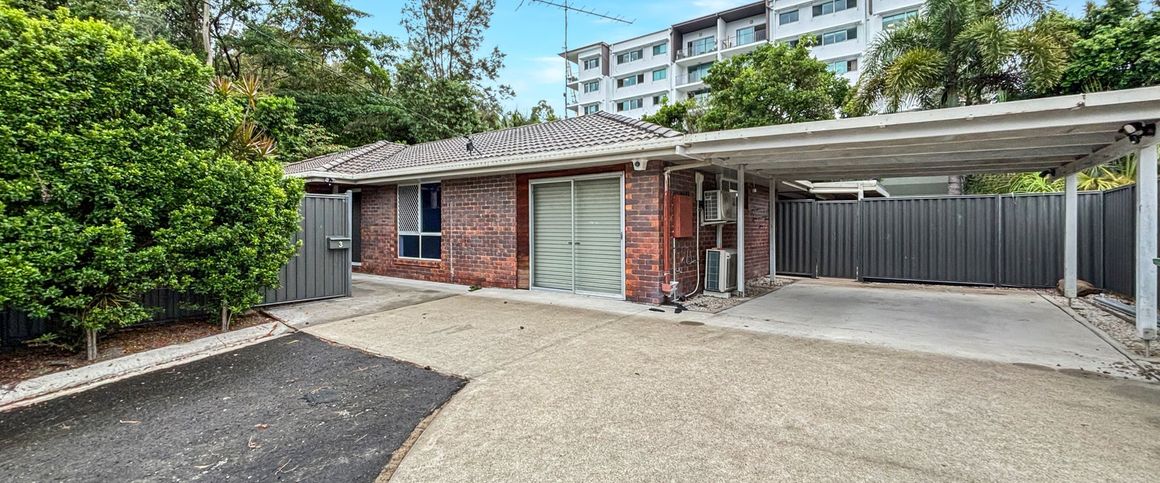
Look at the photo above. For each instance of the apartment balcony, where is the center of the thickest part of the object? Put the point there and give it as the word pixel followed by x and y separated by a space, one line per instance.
pixel 689 82
pixel 743 43
pixel 696 55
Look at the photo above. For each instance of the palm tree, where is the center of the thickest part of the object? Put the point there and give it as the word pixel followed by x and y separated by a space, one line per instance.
pixel 963 52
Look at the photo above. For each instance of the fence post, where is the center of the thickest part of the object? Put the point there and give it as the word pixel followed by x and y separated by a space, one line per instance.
pixel 998 268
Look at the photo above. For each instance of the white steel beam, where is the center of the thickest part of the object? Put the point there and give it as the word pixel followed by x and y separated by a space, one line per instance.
pixel 1109 153
pixel 741 230
pixel 1146 206
pixel 773 229
pixel 903 155
pixel 1070 235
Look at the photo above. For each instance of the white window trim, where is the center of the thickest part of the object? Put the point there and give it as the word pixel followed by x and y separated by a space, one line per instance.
pixel 419 212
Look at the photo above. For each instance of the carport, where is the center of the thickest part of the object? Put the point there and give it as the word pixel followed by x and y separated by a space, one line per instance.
pixel 1057 136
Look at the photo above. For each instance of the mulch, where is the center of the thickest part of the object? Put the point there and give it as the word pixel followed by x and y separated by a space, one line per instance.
pixel 24 363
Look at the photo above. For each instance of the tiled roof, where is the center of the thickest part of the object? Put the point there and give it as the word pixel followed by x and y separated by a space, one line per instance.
pixel 596 129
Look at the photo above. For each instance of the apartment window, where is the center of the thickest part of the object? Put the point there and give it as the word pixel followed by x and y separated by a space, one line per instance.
pixel 660 74
pixel 831 6
pixel 793 43
pixel 419 221
pixel 698 72
pixel 839 36
pixel 592 109
pixel 787 17
pixel 630 56
pixel 749 35
pixel 700 95
pixel 843 66
pixel 629 81
pixel 591 86
pixel 661 49
pixel 658 100
pixel 591 63
pixel 630 104
pixel 703 46
pixel 891 22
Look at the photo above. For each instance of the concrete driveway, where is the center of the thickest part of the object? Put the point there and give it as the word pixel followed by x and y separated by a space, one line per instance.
pixel 559 392
pixel 370 294
pixel 1003 325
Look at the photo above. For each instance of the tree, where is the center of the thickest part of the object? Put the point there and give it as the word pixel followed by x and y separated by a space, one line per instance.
pixel 107 145
pixel 962 52
pixel 1118 47
pixel 541 112
pixel 773 84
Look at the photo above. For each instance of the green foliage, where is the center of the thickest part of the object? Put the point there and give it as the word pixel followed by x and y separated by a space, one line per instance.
pixel 541 112
pixel 963 52
pixel 773 84
pixel 1118 47
pixel 680 116
pixel 108 146
pixel 1099 178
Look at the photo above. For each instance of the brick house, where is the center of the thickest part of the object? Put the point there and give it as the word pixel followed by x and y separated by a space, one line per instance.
pixel 575 205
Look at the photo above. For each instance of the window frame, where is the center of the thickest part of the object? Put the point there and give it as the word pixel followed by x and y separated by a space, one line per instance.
pixel 846 31
pixel 631 56
pixel 796 16
pixel 710 43
pixel 894 20
pixel 595 108
pixel 626 105
pixel 660 49
pixel 591 83
pixel 819 9
pixel 399 232
pixel 664 71
pixel 594 60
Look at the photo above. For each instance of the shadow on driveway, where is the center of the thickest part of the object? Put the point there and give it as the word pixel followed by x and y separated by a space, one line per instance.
pixel 293 408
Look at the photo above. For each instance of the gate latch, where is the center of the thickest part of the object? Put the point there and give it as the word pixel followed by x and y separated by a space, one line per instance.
pixel 338 242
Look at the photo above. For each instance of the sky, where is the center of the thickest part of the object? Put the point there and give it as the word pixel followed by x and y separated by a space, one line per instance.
pixel 532 35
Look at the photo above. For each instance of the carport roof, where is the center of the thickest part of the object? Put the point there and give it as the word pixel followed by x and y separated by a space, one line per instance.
pixel 1060 135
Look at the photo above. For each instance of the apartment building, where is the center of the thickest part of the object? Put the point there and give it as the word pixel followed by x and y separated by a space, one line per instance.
pixel 632 77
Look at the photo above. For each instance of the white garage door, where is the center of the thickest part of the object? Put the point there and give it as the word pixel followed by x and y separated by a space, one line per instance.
pixel 577 228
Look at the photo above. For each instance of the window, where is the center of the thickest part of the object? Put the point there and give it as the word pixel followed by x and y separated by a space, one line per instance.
pixel 831 6
pixel 630 104
pixel 591 63
pixel 794 42
pixel 658 100
pixel 629 81
pixel 840 36
pixel 891 22
pixel 630 56
pixel 697 72
pixel 746 36
pixel 419 221
pixel 787 17
pixel 661 74
pixel 703 46
pixel 592 86
pixel 700 95
pixel 843 66
pixel 661 49
pixel 592 109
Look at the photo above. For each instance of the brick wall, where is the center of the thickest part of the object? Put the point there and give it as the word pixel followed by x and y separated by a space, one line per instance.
pixel 479 234
pixel 642 233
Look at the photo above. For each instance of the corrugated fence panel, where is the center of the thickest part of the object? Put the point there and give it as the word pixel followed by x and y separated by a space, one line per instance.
pixel 949 239
pixel 1119 212
pixel 795 247
pixel 1031 241
pixel 837 245
pixel 317 271
pixel 1091 238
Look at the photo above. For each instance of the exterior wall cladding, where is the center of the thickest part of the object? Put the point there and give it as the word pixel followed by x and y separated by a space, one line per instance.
pixel 485 232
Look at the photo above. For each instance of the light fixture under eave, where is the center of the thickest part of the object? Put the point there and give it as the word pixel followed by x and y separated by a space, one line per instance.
pixel 1136 131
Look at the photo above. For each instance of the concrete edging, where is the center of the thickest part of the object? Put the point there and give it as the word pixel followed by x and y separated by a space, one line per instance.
pixel 52 385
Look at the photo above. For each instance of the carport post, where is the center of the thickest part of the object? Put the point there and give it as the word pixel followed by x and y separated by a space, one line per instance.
pixel 1146 242
pixel 1070 235
pixel 773 229
pixel 741 229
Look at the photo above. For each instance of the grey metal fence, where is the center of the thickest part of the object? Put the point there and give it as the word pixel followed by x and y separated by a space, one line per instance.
pixel 321 269
pixel 1004 240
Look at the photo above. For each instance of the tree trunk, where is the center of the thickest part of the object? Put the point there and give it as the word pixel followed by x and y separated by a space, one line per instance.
pixel 91 344
pixel 225 318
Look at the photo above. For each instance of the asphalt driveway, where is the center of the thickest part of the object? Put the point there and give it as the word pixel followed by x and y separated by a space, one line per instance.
pixel 568 394
pixel 294 408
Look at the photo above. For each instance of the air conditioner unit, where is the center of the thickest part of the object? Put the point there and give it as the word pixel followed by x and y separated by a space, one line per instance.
pixel 720 270
pixel 720 206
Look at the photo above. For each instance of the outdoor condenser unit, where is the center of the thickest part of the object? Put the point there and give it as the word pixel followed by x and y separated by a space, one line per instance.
pixel 720 205
pixel 720 270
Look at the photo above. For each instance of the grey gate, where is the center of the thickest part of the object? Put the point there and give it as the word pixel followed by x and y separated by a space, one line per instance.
pixel 322 267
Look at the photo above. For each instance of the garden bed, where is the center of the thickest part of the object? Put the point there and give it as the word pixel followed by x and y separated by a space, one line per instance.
pixel 22 363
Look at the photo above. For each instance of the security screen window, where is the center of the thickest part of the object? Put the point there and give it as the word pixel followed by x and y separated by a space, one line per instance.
pixel 420 221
